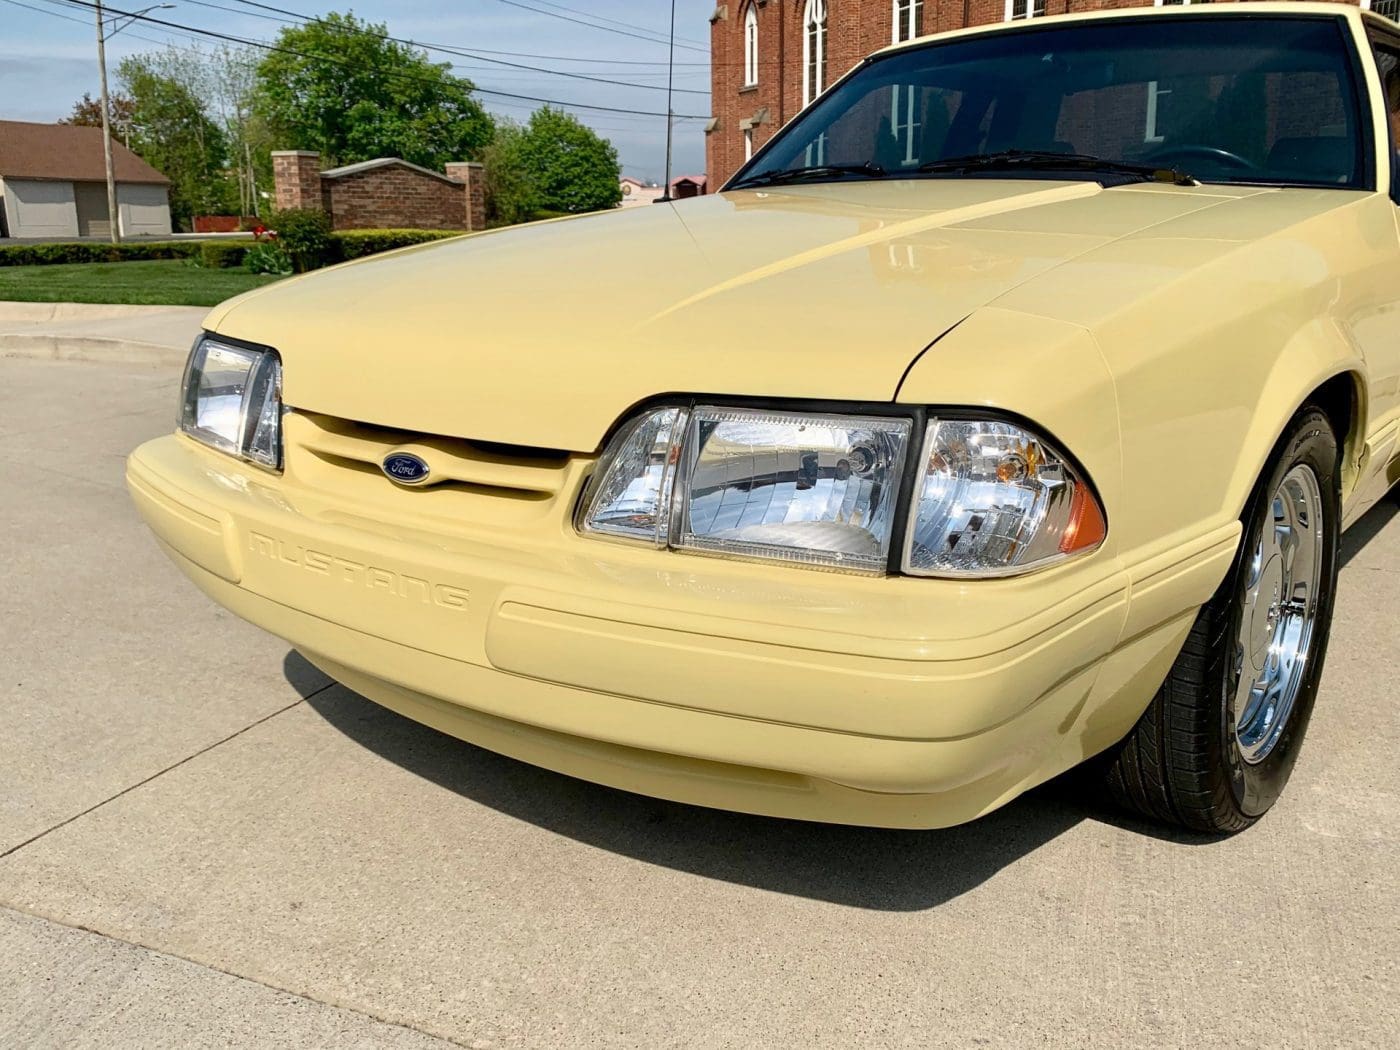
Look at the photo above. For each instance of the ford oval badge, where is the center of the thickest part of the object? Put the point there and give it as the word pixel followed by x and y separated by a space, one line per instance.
pixel 405 468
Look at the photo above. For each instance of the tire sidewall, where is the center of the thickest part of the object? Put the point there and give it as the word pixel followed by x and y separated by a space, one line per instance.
pixel 1309 441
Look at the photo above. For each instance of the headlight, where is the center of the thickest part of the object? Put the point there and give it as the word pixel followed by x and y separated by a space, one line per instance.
pixel 817 490
pixel 990 498
pixel 811 489
pixel 993 500
pixel 232 401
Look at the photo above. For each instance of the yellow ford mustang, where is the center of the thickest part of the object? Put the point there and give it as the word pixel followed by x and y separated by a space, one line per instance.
pixel 1002 412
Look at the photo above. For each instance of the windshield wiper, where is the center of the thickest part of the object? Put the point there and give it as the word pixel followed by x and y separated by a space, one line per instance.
pixel 1045 160
pixel 815 171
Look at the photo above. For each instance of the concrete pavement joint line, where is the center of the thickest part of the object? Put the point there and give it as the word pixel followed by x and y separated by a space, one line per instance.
pixel 160 773
pixel 229 973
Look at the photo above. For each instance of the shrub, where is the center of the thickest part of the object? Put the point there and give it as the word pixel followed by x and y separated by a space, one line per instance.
pixel 222 255
pixel 304 234
pixel 266 257
pixel 354 244
pixel 92 252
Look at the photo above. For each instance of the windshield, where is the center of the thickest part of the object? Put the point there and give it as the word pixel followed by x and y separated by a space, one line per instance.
pixel 1248 99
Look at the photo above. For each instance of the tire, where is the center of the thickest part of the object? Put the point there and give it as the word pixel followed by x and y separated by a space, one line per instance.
pixel 1203 756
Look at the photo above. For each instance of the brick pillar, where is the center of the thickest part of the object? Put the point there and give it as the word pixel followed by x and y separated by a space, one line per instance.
pixel 296 179
pixel 473 177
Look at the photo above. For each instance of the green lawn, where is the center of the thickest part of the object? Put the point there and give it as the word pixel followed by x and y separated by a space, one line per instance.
pixel 173 282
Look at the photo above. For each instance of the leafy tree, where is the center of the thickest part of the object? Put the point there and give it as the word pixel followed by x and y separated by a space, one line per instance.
pixel 341 87
pixel 87 113
pixel 511 193
pixel 572 168
pixel 173 132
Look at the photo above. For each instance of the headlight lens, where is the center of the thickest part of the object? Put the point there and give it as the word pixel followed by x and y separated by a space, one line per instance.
pixel 994 499
pixel 630 496
pixel 810 489
pixel 817 490
pixel 232 401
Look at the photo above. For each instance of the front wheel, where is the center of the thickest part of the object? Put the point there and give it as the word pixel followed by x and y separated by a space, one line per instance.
pixel 1216 746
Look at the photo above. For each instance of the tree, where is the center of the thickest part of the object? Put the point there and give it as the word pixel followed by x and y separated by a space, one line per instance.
pixel 572 168
pixel 511 193
pixel 174 134
pixel 87 113
pixel 340 87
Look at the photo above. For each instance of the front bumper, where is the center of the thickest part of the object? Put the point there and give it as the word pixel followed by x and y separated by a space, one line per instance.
pixel 889 702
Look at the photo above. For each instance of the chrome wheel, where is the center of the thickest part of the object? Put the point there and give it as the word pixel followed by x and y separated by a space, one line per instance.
pixel 1276 633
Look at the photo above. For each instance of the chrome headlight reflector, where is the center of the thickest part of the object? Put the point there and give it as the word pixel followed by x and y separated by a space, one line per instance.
pixel 993 500
pixel 232 401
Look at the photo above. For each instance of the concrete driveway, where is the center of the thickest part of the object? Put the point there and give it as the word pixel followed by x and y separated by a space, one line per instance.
pixel 203 842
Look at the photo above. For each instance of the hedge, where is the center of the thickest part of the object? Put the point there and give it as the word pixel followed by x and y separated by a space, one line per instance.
pixel 344 245
pixel 223 255
pixel 92 252
pixel 353 244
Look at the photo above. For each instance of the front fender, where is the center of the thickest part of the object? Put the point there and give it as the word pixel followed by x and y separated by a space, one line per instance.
pixel 1048 373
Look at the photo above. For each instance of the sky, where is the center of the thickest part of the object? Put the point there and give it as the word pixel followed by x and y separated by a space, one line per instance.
pixel 48 57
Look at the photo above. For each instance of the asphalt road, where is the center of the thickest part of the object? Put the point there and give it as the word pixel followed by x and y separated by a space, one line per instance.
pixel 203 842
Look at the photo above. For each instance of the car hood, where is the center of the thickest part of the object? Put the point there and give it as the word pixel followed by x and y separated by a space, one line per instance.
pixel 546 334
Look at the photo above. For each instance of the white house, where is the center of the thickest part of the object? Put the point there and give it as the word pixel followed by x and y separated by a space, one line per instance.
pixel 635 191
pixel 53 183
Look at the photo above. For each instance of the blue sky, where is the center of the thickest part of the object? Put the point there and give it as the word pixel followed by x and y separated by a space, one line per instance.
pixel 48 57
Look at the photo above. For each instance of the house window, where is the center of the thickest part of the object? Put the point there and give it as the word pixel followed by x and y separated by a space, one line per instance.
pixel 1019 9
pixel 1387 8
pixel 751 46
pixel 908 19
pixel 748 144
pixel 813 50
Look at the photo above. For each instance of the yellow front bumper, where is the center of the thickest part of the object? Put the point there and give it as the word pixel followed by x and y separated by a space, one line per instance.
pixel 891 702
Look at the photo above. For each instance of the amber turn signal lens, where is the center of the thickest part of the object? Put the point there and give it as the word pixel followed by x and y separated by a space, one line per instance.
pixel 1086 528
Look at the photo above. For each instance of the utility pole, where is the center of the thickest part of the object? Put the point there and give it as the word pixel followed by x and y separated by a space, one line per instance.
pixel 102 36
pixel 112 221
pixel 670 119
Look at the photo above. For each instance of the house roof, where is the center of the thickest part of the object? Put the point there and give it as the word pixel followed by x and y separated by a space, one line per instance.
pixel 698 180
pixel 382 162
pixel 67 153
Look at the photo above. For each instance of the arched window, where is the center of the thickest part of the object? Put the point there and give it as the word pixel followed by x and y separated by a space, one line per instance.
pixel 908 19
pixel 751 46
pixel 813 50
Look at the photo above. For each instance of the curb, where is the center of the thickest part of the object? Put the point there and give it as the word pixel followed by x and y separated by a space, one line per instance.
pixel 37 313
pixel 90 348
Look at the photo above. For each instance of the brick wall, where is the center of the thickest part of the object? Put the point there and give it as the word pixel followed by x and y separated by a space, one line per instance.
pixel 296 178
pixel 385 193
pixel 474 176
pixel 855 28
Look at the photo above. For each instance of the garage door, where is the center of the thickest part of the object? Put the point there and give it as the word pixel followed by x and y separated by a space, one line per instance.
pixel 91 198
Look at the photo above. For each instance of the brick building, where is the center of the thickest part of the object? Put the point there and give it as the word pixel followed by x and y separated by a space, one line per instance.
pixel 770 57
pixel 387 193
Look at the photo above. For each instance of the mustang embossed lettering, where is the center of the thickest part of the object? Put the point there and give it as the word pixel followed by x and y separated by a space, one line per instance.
pixel 372 577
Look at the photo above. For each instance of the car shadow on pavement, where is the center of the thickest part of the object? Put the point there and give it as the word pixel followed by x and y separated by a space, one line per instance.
pixel 860 867
pixel 1355 539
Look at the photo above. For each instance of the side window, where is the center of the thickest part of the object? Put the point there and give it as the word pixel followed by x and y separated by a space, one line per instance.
pixel 1388 65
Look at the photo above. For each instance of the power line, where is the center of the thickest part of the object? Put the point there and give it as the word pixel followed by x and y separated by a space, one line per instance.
pixel 42 11
pixel 276 48
pixel 297 18
pixel 614 21
pixel 592 25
